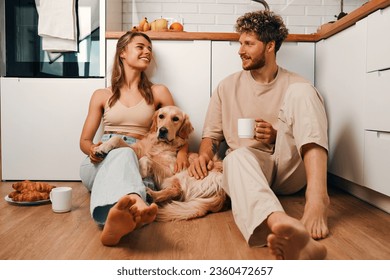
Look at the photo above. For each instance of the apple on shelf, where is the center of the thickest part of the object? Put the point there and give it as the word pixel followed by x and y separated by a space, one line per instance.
pixel 176 26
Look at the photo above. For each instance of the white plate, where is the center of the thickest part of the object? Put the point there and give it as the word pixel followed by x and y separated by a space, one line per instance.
pixel 8 199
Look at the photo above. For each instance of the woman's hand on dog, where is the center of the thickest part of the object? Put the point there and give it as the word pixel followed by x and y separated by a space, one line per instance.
pixel 93 156
pixel 200 167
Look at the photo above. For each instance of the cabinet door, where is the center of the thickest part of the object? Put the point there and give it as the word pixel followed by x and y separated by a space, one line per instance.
pixel 377 113
pixel 224 61
pixel 377 161
pixel 296 57
pixel 41 122
pixel 341 80
pixel 378 40
pixel 184 67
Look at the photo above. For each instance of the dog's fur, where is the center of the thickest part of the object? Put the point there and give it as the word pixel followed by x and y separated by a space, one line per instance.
pixel 179 196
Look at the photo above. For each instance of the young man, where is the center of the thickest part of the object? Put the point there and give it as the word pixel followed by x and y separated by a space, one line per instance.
pixel 288 151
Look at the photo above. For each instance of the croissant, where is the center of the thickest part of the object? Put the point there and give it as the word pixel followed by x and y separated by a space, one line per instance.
pixel 29 196
pixel 27 186
pixel 13 194
pixel 30 191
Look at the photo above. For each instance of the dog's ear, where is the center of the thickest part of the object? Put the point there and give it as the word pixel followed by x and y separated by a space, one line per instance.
pixel 153 127
pixel 186 128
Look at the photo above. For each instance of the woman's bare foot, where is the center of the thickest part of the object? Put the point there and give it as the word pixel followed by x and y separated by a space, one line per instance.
pixel 290 240
pixel 129 213
pixel 148 215
pixel 315 217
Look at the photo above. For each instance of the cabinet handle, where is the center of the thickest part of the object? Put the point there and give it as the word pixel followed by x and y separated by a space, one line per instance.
pixel 383 135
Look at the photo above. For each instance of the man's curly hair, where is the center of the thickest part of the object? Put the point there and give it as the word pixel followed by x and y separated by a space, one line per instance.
pixel 265 24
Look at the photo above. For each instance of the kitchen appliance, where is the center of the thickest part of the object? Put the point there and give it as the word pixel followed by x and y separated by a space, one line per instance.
pixel 25 55
pixel 2 38
pixel 44 94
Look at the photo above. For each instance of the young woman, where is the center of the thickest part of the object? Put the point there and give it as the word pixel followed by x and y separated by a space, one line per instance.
pixel 118 193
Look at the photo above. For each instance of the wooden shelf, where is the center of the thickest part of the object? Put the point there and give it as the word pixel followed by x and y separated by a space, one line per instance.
pixel 325 31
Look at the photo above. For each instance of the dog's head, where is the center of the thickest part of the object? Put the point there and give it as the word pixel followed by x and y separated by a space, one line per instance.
pixel 170 122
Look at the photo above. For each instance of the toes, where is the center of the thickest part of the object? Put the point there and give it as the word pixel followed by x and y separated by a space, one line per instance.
pixel 135 213
pixel 148 215
pixel 125 202
pixel 275 246
pixel 319 232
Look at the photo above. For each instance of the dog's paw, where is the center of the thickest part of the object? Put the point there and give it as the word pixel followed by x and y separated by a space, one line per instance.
pixel 100 151
pixel 151 192
pixel 155 196
pixel 100 155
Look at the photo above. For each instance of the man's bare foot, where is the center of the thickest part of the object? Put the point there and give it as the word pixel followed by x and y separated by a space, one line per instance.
pixel 290 240
pixel 122 219
pixel 315 217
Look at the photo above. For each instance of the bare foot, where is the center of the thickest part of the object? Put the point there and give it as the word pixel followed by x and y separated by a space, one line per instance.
pixel 315 218
pixel 148 215
pixel 129 213
pixel 290 240
pixel 122 219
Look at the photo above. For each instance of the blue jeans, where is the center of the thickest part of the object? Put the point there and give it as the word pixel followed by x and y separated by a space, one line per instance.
pixel 117 175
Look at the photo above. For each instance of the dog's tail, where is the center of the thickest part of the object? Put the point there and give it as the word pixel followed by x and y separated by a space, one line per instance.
pixel 195 208
pixel 198 198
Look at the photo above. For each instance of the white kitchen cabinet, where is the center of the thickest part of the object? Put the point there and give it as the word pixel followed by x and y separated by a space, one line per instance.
pixel 378 40
pixel 341 80
pixel 184 67
pixel 296 57
pixel 224 61
pixel 377 111
pixel 41 122
pixel 377 161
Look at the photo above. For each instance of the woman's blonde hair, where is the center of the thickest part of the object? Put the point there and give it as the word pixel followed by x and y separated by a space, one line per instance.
pixel 118 72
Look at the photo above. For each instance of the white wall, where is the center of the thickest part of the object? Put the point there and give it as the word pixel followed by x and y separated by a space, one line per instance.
pixel 113 15
pixel 301 16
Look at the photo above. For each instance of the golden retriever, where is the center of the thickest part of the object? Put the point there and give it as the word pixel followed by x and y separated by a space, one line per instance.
pixel 179 196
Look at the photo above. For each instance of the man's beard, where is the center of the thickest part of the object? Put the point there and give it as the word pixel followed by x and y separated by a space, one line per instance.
pixel 256 64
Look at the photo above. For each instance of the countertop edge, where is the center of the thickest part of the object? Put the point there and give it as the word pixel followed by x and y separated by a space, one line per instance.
pixel 325 31
pixel 213 36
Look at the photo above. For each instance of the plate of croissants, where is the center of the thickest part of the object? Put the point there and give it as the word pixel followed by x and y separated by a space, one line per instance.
pixel 29 193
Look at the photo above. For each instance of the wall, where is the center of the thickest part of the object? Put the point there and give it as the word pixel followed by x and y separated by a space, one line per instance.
pixel 301 16
pixel 113 15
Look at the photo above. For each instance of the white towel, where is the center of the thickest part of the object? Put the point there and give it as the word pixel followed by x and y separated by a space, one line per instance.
pixel 57 25
pixel 88 17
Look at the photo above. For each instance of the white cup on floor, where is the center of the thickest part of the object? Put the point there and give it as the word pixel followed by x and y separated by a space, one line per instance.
pixel 61 199
pixel 246 128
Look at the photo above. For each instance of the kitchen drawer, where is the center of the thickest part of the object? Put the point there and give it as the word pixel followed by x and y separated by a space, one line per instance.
pixel 378 40
pixel 377 101
pixel 377 161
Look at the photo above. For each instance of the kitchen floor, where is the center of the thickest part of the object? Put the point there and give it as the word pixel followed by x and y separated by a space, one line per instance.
pixel 358 231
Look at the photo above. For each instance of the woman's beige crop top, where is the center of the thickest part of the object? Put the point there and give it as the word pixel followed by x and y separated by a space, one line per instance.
pixel 135 119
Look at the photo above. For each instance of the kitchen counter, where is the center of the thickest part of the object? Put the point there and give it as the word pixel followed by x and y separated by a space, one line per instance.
pixel 325 31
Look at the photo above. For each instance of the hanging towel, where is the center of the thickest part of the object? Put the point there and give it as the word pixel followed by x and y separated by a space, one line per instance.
pixel 57 25
pixel 88 17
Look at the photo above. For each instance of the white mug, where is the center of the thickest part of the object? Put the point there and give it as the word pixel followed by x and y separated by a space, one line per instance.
pixel 61 199
pixel 246 128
